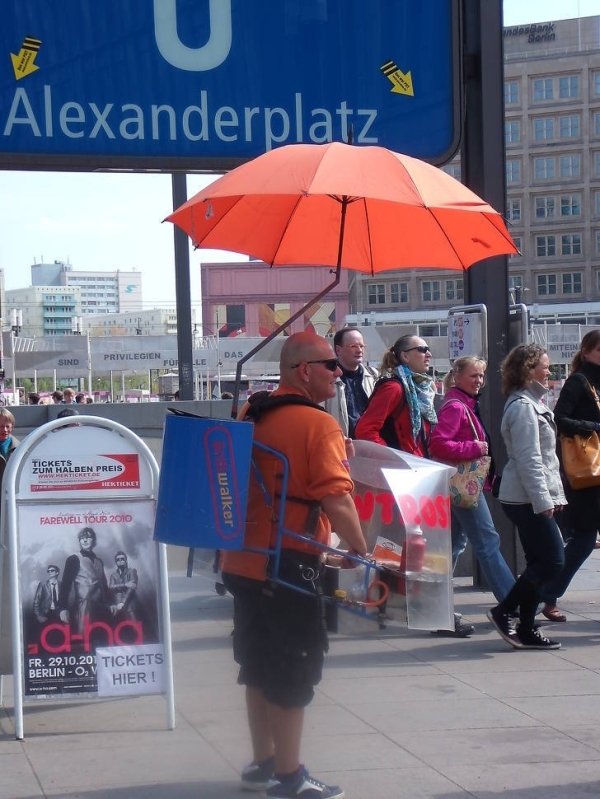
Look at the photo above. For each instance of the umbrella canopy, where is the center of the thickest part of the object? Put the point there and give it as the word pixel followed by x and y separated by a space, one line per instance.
pixel 362 208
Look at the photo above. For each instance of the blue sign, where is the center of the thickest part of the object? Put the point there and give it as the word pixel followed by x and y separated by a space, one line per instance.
pixel 193 84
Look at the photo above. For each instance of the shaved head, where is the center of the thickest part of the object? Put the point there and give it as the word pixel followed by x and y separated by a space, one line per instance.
pixel 296 371
pixel 303 347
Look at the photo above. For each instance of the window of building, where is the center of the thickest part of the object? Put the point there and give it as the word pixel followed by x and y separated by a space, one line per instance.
pixel 545 246
pixel 453 170
pixel 376 293
pixel 570 244
pixel 568 87
pixel 512 132
pixel 544 207
pixel 543 129
pixel 596 123
pixel 570 205
pixel 511 92
pixel 597 163
pixel 513 170
pixel 454 289
pixel 572 283
pixel 570 165
pixel 597 237
pixel 518 244
pixel 431 291
pixel 544 168
pixel 542 89
pixel 596 83
pixel 569 126
pixel 398 292
pixel 596 203
pixel 546 285
pixel 513 210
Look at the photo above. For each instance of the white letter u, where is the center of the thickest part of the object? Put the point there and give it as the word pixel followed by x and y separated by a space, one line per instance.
pixel 199 59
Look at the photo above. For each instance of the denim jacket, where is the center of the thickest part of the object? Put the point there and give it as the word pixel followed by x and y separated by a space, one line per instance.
pixel 529 432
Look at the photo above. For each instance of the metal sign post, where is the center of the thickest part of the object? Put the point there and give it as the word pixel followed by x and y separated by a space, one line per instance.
pixel 88 583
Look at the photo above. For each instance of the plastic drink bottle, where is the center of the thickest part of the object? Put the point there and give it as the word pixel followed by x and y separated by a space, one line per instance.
pixel 413 551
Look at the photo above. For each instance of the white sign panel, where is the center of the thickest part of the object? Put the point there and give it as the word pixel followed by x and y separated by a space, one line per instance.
pixel 130 670
pixel 87 462
pixel 464 335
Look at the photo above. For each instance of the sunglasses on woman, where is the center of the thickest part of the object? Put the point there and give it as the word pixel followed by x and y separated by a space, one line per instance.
pixel 422 348
pixel 330 364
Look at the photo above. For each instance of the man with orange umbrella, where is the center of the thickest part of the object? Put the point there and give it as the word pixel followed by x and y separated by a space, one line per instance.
pixel 279 637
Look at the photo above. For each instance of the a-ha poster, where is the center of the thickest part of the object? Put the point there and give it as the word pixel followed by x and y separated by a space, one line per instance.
pixel 89 581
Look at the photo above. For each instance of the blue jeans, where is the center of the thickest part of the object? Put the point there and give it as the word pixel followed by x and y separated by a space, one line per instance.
pixel 544 555
pixel 476 525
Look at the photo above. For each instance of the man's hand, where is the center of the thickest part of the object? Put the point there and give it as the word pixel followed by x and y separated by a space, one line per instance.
pixel 342 514
pixel 64 616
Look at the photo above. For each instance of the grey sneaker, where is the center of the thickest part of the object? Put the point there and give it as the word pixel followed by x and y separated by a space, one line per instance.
pixel 303 786
pixel 461 629
pixel 504 624
pixel 257 776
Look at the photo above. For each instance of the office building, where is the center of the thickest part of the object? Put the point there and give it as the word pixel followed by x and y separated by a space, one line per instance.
pixel 151 322
pixel 552 134
pixel 101 292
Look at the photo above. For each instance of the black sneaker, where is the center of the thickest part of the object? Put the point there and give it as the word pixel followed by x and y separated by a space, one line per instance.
pixel 504 624
pixel 257 776
pixel 533 639
pixel 303 786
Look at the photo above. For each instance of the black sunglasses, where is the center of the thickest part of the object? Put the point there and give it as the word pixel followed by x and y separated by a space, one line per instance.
pixel 330 364
pixel 422 348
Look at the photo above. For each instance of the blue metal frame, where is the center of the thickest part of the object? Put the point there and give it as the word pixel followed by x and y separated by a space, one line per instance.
pixel 275 553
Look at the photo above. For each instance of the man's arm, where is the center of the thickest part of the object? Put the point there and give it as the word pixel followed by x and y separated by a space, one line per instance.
pixel 341 512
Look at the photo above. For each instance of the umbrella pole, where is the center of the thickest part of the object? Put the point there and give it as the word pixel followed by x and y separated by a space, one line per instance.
pixel 338 269
pixel 271 336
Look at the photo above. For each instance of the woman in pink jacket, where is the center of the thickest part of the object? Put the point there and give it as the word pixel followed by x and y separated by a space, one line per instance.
pixel 459 436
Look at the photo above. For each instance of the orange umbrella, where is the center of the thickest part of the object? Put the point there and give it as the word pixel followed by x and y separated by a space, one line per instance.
pixel 363 208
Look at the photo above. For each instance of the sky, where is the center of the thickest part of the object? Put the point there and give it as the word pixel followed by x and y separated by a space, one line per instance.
pixel 114 221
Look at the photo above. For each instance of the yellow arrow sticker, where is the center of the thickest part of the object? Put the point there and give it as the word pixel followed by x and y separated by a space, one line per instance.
pixel 24 63
pixel 401 81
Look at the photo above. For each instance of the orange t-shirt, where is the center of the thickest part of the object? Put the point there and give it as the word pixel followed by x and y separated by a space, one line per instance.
pixel 314 446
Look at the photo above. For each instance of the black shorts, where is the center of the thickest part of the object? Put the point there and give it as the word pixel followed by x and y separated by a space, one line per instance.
pixel 279 637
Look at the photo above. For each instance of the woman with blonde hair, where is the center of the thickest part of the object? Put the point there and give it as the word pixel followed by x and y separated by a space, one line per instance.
pixel 531 492
pixel 577 411
pixel 459 435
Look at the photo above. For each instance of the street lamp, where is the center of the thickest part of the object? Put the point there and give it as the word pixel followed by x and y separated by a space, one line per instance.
pixel 16 324
pixel 16 321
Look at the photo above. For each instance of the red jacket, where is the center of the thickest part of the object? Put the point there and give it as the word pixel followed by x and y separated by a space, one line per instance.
pixel 388 402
